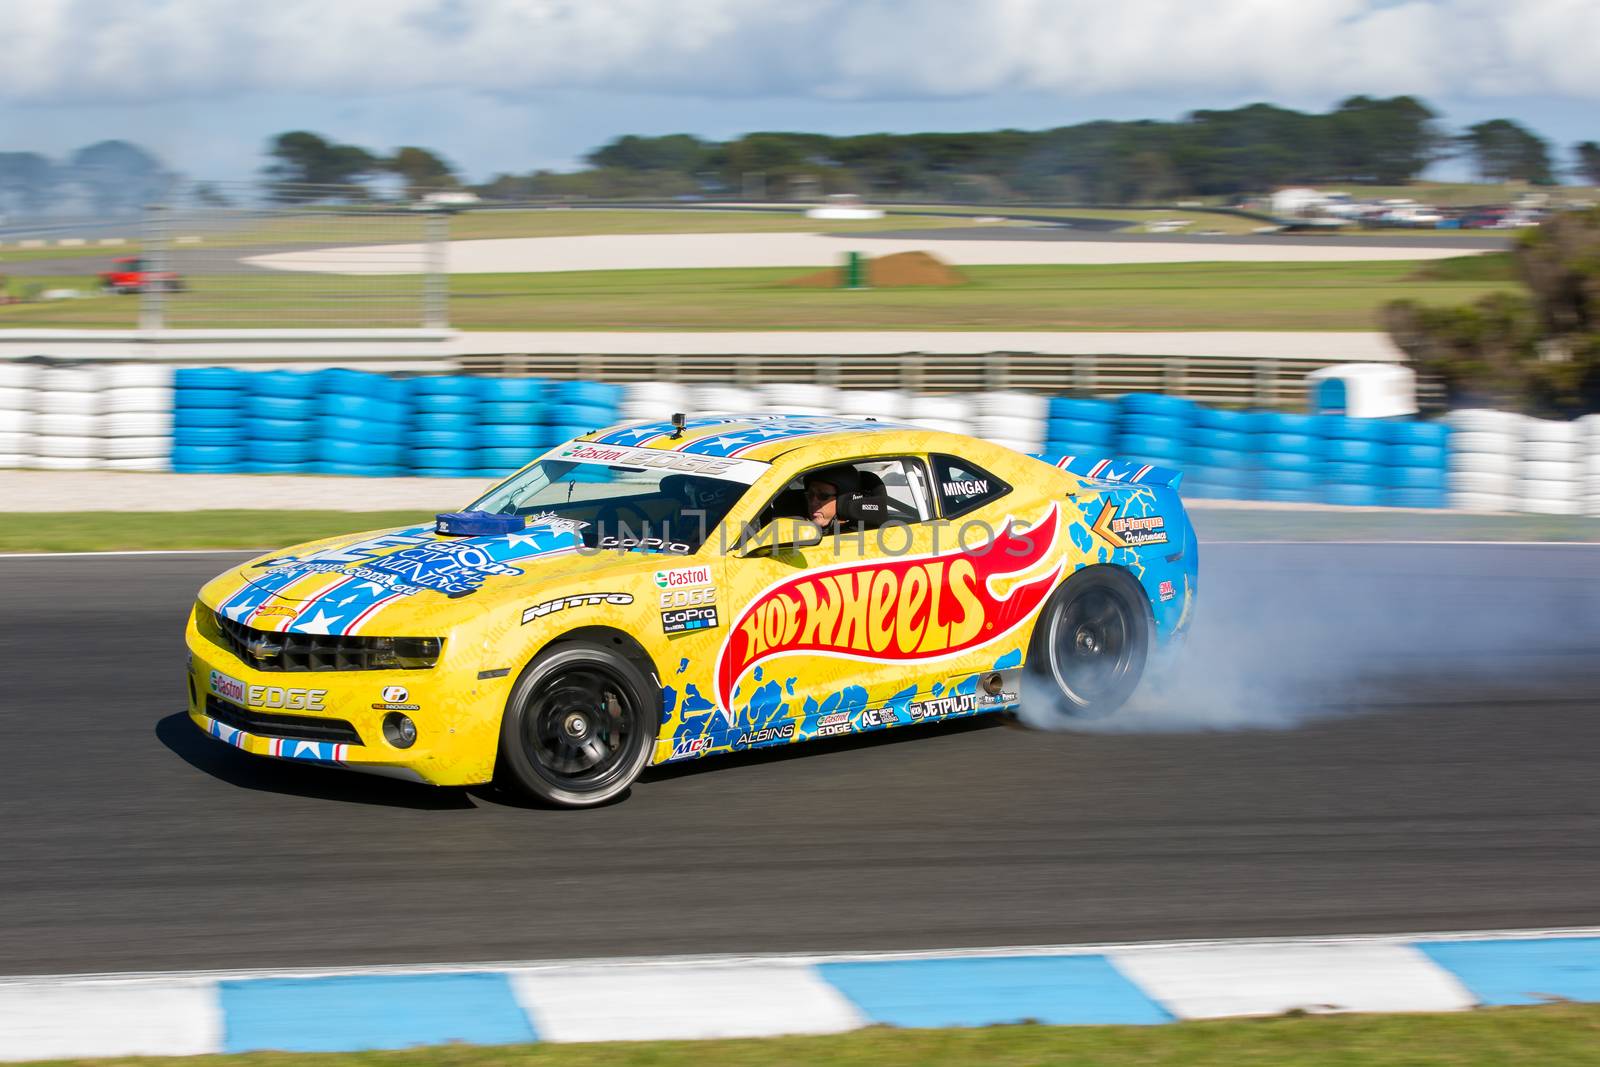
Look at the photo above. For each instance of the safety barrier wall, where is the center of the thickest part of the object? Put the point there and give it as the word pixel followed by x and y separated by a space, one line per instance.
pixel 135 416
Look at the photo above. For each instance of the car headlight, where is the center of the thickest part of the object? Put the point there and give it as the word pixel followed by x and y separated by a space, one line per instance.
pixel 402 653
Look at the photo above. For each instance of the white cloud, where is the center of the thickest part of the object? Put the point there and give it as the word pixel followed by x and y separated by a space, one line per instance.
pixel 161 50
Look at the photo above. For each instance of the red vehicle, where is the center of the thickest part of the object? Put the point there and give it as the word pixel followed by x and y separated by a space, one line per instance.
pixel 128 275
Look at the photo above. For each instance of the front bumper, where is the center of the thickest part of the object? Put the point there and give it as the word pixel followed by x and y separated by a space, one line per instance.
pixel 336 718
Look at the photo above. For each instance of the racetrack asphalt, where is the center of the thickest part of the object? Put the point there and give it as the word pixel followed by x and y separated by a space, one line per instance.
pixel 1415 748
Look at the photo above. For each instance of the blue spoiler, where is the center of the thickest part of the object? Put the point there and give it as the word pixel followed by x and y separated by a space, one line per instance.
pixel 1122 471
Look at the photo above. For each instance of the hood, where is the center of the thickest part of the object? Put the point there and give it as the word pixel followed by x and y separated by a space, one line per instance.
pixel 342 585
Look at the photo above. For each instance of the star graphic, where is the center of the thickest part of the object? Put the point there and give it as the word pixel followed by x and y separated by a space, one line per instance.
pixel 320 623
pixel 374 586
pixel 769 431
pixel 639 433
pixel 515 540
pixel 726 440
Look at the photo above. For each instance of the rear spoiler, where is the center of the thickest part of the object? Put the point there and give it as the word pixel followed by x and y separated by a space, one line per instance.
pixel 1122 471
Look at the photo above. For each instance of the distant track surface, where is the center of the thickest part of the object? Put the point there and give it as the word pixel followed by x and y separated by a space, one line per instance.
pixel 1442 777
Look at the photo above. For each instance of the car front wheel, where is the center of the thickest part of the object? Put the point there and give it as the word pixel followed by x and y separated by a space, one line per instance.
pixel 579 726
pixel 1091 642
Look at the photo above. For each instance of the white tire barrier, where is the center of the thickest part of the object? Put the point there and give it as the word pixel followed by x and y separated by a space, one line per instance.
pixel 1022 405
pixel 19 376
pixel 795 396
pixel 66 402
pixel 1485 420
pixel 880 404
pixel 137 424
pixel 136 447
pixel 1484 462
pixel 1488 503
pixel 722 400
pixel 13 421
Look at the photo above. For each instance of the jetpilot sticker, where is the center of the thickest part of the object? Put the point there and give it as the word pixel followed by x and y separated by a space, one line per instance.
pixel 1129 531
pixel 908 610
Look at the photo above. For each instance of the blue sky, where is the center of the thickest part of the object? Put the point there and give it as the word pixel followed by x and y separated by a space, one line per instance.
pixel 513 85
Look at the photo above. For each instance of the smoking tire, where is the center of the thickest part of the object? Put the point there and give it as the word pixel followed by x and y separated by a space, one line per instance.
pixel 578 727
pixel 1091 642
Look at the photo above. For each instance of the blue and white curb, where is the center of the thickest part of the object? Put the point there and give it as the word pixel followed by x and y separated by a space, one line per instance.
pixel 722 997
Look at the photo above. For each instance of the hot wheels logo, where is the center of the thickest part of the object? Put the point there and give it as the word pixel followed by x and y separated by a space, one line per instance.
pixel 918 608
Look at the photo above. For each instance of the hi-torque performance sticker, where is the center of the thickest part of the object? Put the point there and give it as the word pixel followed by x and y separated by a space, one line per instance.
pixel 1129 531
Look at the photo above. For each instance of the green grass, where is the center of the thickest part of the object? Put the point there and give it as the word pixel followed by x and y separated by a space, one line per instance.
pixel 1565 1035
pixel 1487 267
pixel 104 531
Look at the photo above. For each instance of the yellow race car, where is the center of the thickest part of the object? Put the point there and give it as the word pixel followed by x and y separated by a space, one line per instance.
pixel 667 590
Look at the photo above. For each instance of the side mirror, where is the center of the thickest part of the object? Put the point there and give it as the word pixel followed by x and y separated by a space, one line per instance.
pixel 781 534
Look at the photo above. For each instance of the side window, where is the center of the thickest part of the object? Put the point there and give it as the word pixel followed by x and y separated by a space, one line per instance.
pixel 964 486
pixel 902 482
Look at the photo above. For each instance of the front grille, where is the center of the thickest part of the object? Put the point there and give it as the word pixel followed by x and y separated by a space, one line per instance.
pixel 269 650
pixel 289 727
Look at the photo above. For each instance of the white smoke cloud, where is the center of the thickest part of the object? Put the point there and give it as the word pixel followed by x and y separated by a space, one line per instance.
pixel 69 51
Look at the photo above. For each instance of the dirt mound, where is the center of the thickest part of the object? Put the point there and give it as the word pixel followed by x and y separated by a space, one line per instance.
pixel 889 272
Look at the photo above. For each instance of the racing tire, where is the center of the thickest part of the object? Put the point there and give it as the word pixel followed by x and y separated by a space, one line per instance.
pixel 1091 642
pixel 579 726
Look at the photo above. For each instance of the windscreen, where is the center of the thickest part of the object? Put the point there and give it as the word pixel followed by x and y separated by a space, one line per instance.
pixel 622 507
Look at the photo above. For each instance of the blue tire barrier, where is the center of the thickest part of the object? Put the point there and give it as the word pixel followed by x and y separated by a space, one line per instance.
pixel 357 454
pixel 1287 496
pixel 1294 462
pixel 286 384
pixel 1079 410
pixel 261 466
pixel 206 418
pixel 279 407
pixel 514 412
pixel 1156 404
pixel 213 457
pixel 1414 478
pixel 1346 429
pixel 443 458
pixel 1352 473
pixel 207 378
pixel 443 472
pixel 1282 422
pixel 445 403
pixel 358 470
pixel 1223 419
pixel 1222 459
pixel 590 394
pixel 1227 440
pixel 453 440
pixel 208 399
pixel 1341 451
pixel 589 415
pixel 340 429
pixel 1416 498
pixel 1352 496
pixel 206 435
pixel 1157 426
pixel 279 429
pixel 1416 455
pixel 1286 442
pixel 519 437
pixel 506 459
pixel 588 473
pixel 1082 432
pixel 1436 434
pixel 567 431
pixel 1142 445
pixel 444 385
pixel 512 390
pixel 278 451
pixel 1280 478
pixel 444 422
pixel 366 408
pixel 1222 476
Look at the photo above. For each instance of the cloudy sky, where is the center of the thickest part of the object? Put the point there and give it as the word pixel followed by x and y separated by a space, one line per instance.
pixel 511 85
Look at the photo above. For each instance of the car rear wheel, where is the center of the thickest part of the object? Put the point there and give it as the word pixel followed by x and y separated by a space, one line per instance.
pixel 1091 642
pixel 579 726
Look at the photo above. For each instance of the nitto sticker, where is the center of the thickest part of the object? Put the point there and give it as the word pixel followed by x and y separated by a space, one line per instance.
pixel 682 620
pixel 580 600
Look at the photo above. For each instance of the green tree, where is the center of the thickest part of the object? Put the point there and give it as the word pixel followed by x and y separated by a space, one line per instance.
pixel 120 177
pixel 421 171
pixel 680 152
pixel 27 182
pixel 1588 154
pixel 306 167
pixel 1504 151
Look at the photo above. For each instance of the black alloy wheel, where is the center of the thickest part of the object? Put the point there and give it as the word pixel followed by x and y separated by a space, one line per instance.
pixel 1092 641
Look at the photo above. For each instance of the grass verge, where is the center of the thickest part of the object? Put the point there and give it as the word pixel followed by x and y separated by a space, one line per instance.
pixel 1566 1034
pixel 109 531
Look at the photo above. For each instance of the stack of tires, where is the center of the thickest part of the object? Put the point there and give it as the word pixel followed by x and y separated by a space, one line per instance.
pixel 444 429
pixel 1589 435
pixel 656 401
pixel 952 414
pixel 208 420
pixel 1416 464
pixel 514 427
pixel 1019 421
pixel 361 424
pixel 1485 459
pixel 1287 447
pixel 17 382
pixel 798 398
pixel 1082 427
pixel 1156 429
pixel 1354 460
pixel 884 405
pixel 1553 467
pixel 583 407
pixel 137 416
pixel 1222 461
pixel 281 422
pixel 66 423
pixel 722 400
